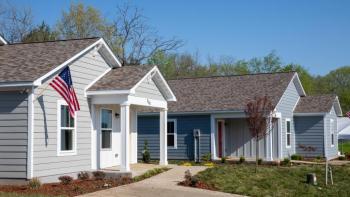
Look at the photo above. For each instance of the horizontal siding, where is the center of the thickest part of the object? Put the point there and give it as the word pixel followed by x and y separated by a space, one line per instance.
pixel 46 162
pixel 148 129
pixel 309 131
pixel 13 134
pixel 148 89
pixel 331 151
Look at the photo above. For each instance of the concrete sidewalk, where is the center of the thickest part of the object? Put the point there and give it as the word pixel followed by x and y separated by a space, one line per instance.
pixel 164 184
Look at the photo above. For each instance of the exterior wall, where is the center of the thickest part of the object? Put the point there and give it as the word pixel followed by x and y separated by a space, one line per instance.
pixel 309 131
pixel 148 89
pixel 13 134
pixel 148 129
pixel 286 106
pixel 46 161
pixel 331 151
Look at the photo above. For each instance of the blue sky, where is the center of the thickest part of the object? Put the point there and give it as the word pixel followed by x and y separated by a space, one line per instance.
pixel 315 34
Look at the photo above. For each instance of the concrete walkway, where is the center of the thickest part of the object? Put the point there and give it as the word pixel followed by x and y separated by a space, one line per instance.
pixel 164 184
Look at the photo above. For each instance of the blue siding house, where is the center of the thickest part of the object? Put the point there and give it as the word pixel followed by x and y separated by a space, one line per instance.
pixel 306 125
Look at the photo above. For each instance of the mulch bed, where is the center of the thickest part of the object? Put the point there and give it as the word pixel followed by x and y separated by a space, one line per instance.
pixel 76 187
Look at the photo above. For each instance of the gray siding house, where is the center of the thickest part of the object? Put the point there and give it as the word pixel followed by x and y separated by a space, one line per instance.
pixel 38 138
pixel 306 125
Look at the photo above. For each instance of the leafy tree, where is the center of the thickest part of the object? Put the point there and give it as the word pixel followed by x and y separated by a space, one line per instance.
pixel 40 33
pixel 268 64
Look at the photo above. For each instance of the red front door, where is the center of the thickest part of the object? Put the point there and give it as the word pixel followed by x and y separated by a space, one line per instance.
pixel 220 138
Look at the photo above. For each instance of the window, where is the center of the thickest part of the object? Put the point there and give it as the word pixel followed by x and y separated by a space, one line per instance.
pixel 172 133
pixel 106 128
pixel 288 132
pixel 332 132
pixel 66 130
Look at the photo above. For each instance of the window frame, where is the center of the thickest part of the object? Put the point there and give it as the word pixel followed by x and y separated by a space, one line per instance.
pixel 109 129
pixel 59 130
pixel 331 127
pixel 288 134
pixel 174 134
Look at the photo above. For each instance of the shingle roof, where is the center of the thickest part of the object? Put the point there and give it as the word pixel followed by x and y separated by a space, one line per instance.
pixel 27 62
pixel 315 104
pixel 121 78
pixel 227 93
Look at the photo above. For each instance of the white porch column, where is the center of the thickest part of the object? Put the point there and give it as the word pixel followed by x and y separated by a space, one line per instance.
pixel 213 137
pixel 163 124
pixel 125 136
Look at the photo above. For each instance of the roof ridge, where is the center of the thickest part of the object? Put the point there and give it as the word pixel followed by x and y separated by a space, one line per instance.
pixel 218 76
pixel 48 41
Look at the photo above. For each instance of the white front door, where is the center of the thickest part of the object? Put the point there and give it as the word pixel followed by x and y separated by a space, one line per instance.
pixel 109 137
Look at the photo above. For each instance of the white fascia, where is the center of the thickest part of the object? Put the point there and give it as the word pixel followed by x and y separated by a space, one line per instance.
pixel 3 40
pixel 108 92
pixel 16 84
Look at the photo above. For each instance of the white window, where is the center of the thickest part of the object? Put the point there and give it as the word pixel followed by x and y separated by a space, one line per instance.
pixel 288 133
pixel 66 134
pixel 332 128
pixel 106 129
pixel 172 133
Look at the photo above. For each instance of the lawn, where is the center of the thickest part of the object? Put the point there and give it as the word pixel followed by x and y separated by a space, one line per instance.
pixel 276 181
pixel 344 147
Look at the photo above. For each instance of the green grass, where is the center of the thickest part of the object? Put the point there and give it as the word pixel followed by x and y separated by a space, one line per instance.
pixel 276 181
pixel 150 173
pixel 344 147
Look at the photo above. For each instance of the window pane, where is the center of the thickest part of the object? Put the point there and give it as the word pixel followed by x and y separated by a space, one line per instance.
pixel 171 127
pixel 66 140
pixel 288 126
pixel 106 139
pixel 171 140
pixel 288 139
pixel 66 119
pixel 106 118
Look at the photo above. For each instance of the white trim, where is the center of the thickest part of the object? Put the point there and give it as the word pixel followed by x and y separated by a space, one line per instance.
pixel 331 124
pixel 94 138
pixel 173 97
pixel 3 40
pixel 280 151
pixel 59 128
pixel 107 92
pixel 38 81
pixel 325 137
pixel 213 138
pixel 95 80
pixel 339 107
pixel 30 134
pixel 16 84
pixel 163 140
pixel 110 52
pixel 109 129
pixel 147 102
pixel 290 132
pixel 175 133
pixel 310 114
pixel 301 85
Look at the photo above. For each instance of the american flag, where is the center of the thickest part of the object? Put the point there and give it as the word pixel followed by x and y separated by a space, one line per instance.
pixel 348 114
pixel 63 84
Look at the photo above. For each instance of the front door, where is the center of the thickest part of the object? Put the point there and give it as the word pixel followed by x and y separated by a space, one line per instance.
pixel 108 138
pixel 220 137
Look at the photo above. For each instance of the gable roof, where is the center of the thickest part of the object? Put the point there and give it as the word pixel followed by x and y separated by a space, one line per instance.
pixel 227 93
pixel 318 104
pixel 28 62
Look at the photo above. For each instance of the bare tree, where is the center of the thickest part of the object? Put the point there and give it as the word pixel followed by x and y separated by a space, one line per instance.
pixel 134 41
pixel 260 119
pixel 15 22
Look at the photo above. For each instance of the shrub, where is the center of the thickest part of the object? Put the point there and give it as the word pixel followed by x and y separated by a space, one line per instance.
pixel 206 157
pixel 223 159
pixel 286 161
pixel 125 180
pixel 188 178
pixel 146 156
pixel 296 157
pixel 83 175
pixel 34 183
pixel 318 157
pixel 241 159
pixel 209 164
pixel 260 161
pixel 65 180
pixel 341 158
pixel 99 175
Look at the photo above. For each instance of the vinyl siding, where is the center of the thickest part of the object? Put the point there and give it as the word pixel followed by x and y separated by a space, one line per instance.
pixel 13 134
pixel 331 151
pixel 46 162
pixel 148 89
pixel 286 107
pixel 309 132
pixel 148 129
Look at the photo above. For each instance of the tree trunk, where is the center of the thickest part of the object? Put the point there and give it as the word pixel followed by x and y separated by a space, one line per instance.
pixel 256 154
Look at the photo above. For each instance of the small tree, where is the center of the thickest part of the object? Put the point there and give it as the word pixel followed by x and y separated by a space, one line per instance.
pixel 146 156
pixel 260 120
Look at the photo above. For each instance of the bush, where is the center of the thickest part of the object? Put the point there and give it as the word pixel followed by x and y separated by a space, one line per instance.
pixel 297 157
pixel 34 183
pixel 83 176
pixel 318 157
pixel 286 161
pixel 341 158
pixel 65 180
pixel 99 175
pixel 188 178
pixel 241 159
pixel 206 157
pixel 223 159
pixel 260 161
pixel 146 156
pixel 209 164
